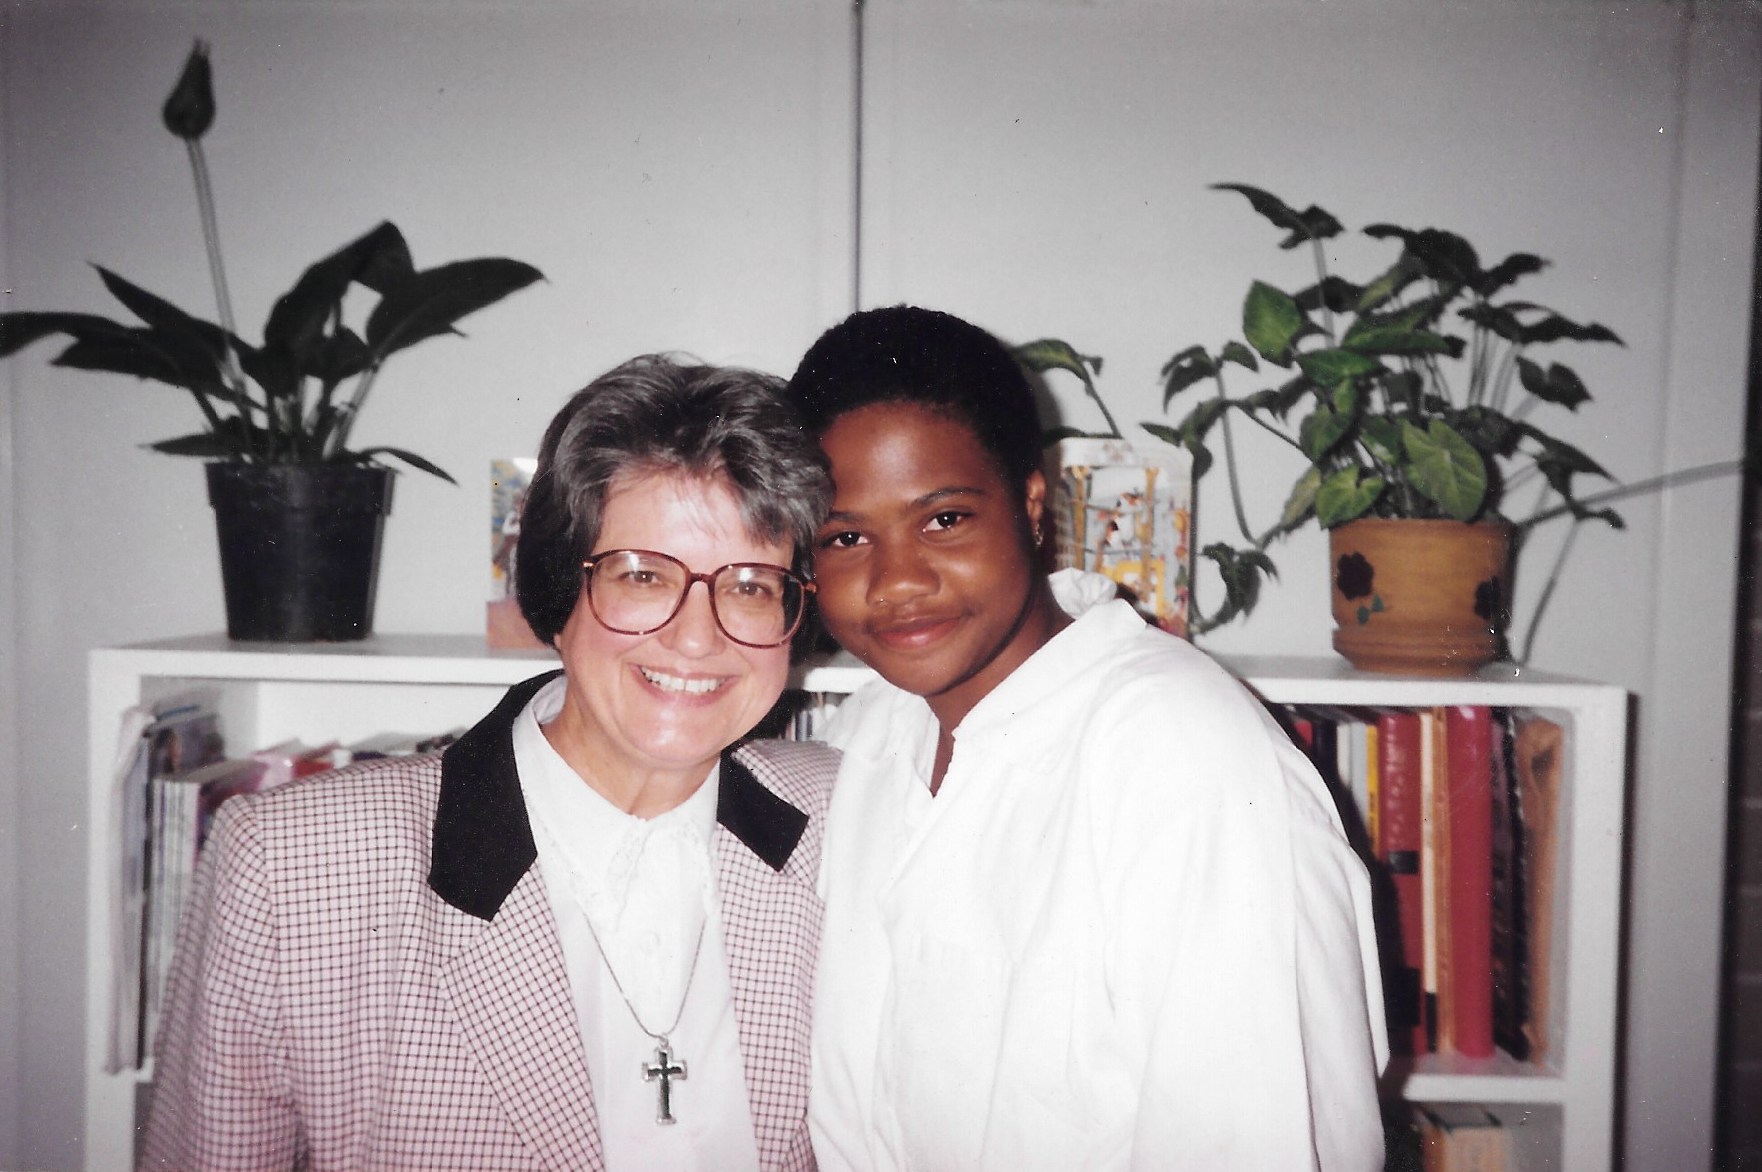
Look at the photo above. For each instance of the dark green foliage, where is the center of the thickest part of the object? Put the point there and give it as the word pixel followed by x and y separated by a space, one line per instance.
pixel 278 402
pixel 1411 394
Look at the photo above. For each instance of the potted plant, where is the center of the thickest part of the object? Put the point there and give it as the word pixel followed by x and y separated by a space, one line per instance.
pixel 1411 399
pixel 298 511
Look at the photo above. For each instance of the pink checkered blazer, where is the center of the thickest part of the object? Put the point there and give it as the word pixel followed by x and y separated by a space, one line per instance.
pixel 369 976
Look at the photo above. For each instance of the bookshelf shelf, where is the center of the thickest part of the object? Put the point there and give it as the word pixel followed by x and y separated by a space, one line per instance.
pixel 429 683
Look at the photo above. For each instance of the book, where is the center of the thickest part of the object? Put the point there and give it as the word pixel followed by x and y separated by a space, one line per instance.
pixel 1399 834
pixel 1539 747
pixel 1468 747
pixel 1461 1137
pixel 1434 865
pixel 153 740
pixel 1508 934
pixel 504 625
pixel 177 746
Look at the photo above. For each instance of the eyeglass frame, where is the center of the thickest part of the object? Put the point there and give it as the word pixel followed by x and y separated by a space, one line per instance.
pixel 692 578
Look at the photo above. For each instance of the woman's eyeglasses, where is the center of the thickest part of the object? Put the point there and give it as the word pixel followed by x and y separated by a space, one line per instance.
pixel 638 591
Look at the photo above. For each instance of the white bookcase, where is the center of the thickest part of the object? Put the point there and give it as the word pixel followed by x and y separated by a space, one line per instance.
pixel 1565 1107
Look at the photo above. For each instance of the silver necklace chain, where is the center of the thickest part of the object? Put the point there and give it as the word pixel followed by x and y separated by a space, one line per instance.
pixel 667 1065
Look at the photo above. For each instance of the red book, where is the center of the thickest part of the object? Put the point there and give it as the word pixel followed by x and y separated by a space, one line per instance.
pixel 1399 811
pixel 1469 778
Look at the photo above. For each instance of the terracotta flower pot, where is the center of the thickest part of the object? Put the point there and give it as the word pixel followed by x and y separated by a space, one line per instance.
pixel 1420 597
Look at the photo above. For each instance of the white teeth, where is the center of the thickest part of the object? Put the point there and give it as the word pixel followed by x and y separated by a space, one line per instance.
pixel 669 683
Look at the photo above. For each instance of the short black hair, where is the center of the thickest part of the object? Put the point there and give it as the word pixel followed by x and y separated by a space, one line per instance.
pixel 659 414
pixel 905 354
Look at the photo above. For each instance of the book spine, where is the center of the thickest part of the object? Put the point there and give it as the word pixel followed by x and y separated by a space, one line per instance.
pixel 1509 928
pixel 1434 865
pixel 1469 777
pixel 1399 831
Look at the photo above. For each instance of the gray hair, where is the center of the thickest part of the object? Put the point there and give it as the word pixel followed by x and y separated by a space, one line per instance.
pixel 658 414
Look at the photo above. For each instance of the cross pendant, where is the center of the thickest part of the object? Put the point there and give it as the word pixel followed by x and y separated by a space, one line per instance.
pixel 664 1069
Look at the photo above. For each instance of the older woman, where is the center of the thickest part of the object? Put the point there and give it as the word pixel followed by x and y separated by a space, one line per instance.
pixel 584 936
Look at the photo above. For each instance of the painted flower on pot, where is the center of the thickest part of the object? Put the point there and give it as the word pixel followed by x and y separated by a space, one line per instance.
pixel 1354 578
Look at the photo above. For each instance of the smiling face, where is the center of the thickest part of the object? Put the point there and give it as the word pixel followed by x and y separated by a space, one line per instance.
pixel 925 568
pixel 645 716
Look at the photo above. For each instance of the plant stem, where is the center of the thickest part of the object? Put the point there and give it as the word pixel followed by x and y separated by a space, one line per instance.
pixel 345 419
pixel 1230 461
pixel 234 376
pixel 1622 491
pixel 1529 637
pixel 1321 284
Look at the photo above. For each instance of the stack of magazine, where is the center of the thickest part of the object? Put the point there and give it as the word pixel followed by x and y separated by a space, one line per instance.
pixel 171 775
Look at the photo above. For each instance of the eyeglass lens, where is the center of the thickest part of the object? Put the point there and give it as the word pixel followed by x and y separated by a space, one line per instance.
pixel 635 592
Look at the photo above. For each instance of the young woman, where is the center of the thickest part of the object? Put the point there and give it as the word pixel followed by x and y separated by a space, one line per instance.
pixel 1086 906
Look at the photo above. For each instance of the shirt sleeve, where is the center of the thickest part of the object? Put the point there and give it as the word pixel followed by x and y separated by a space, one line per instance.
pixel 222 1098
pixel 1243 951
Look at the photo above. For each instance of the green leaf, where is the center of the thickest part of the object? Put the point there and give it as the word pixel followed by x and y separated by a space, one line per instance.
pixel 1053 435
pixel 1558 384
pixel 430 302
pixel 1369 336
pixel 1241 572
pixel 1404 388
pixel 1190 366
pixel 1443 256
pixel 1310 224
pixel 1382 437
pixel 1239 354
pixel 1332 366
pixel 234 440
pixel 1335 293
pixel 1345 496
pixel 1552 327
pixel 1386 286
pixel 1490 432
pixel 379 260
pixel 1321 431
pixel 273 368
pixel 1300 504
pixel 1272 323
pixel 1497 319
pixel 163 315
pixel 1200 420
pixel 410 458
pixel 1052 354
pixel 1445 468
pixel 18 330
pixel 1508 271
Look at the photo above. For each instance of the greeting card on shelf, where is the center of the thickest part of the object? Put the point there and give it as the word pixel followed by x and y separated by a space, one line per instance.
pixel 504 625
pixel 1127 512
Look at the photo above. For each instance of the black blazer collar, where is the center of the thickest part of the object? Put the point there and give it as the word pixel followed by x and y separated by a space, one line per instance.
pixel 483 842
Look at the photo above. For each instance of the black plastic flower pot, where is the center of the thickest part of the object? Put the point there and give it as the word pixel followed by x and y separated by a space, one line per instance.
pixel 299 548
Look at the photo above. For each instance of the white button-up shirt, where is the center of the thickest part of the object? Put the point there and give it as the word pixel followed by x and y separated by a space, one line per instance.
pixel 1127 934
pixel 649 885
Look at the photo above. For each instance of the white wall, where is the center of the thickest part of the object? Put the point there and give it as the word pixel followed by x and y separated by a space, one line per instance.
pixel 11 787
pixel 1042 168
pixel 680 171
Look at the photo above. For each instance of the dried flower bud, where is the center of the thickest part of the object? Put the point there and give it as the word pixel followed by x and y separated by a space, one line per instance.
pixel 189 111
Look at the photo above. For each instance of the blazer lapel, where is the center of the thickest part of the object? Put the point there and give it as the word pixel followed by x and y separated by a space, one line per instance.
pixel 507 984
pixel 511 994
pixel 770 924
